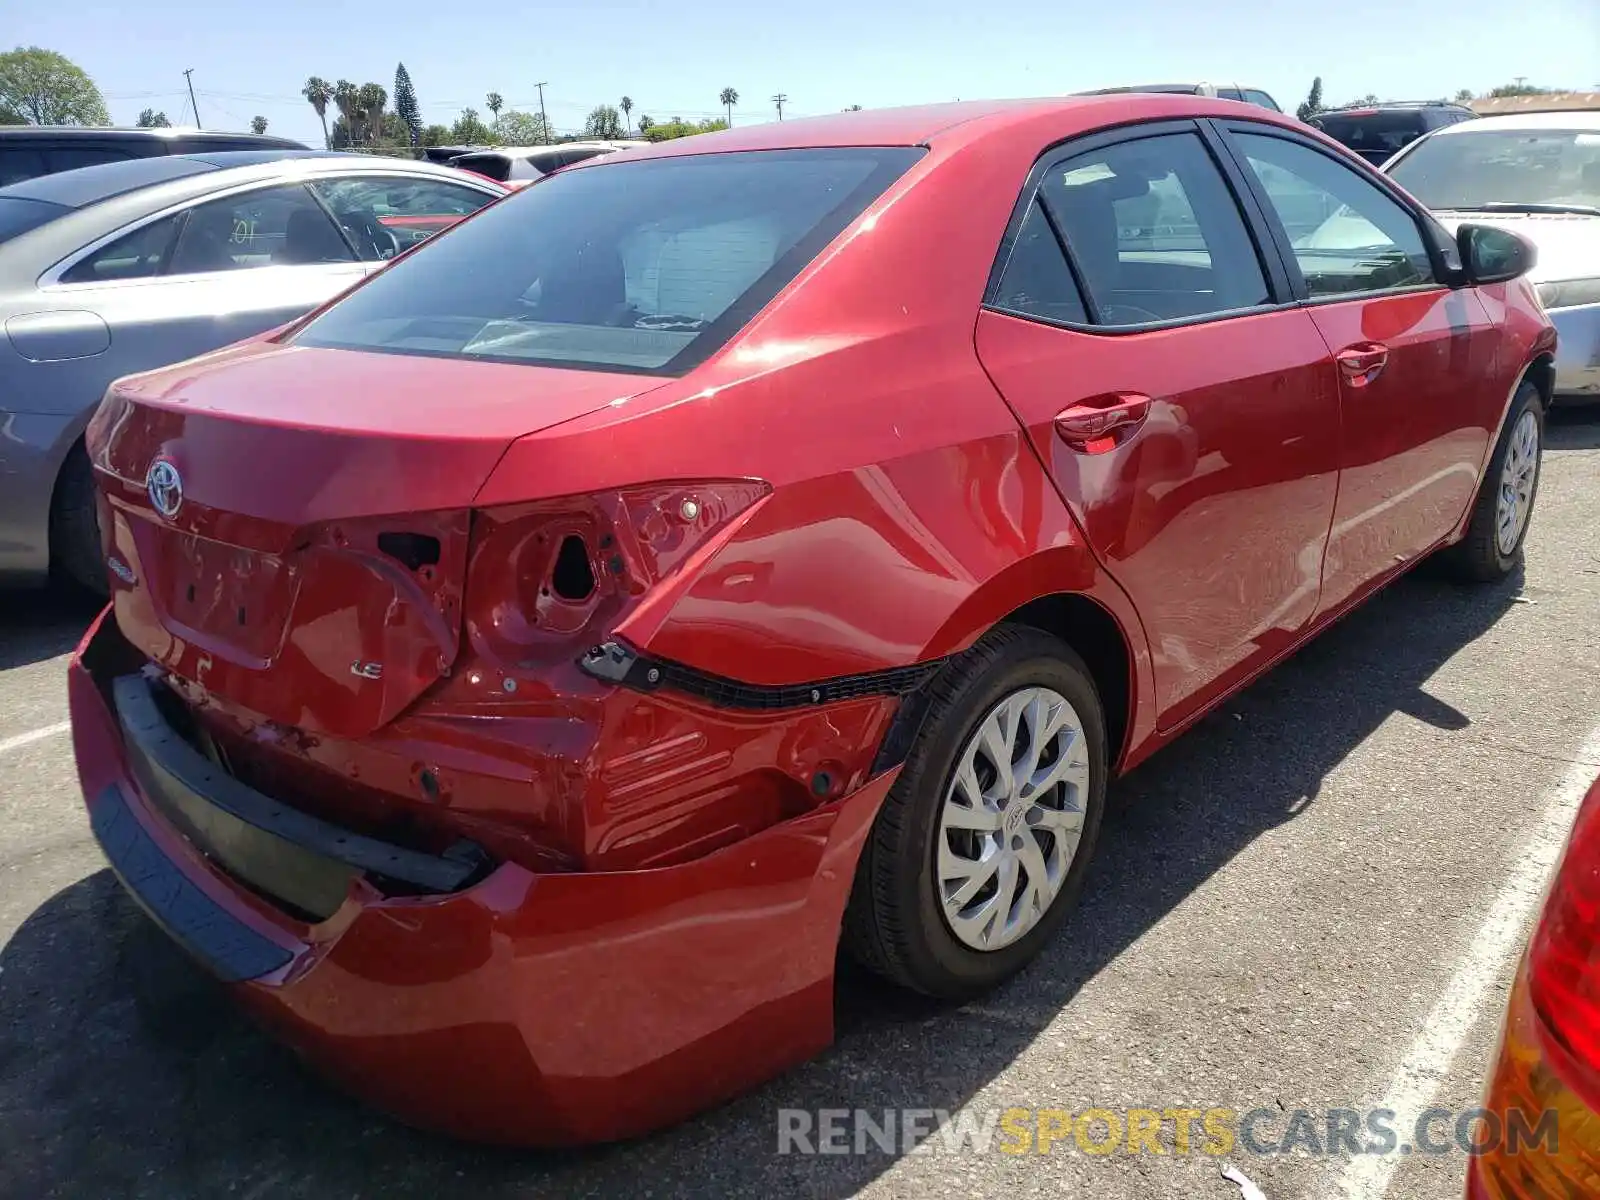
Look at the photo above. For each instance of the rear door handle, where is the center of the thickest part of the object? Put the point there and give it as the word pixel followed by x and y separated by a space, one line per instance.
pixel 1102 423
pixel 1363 362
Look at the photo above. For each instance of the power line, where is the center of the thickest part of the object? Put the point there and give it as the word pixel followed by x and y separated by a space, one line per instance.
pixel 779 101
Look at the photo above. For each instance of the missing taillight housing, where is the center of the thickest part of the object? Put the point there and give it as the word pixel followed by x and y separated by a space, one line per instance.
pixel 1564 958
pixel 548 579
pixel 572 578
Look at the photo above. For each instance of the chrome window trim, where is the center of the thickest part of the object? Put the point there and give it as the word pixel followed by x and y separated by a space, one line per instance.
pixel 50 279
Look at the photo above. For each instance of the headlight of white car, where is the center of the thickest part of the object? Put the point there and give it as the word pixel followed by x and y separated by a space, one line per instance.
pixel 1569 293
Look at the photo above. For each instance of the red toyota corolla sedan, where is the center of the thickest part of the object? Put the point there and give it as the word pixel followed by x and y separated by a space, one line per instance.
pixel 524 674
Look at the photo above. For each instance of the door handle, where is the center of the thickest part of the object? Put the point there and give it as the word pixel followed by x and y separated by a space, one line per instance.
pixel 1363 362
pixel 1102 423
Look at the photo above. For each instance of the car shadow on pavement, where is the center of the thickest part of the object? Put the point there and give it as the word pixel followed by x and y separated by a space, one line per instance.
pixel 124 1072
pixel 1573 425
pixel 41 623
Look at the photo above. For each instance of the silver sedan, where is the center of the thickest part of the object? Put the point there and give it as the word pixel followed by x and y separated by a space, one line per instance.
pixel 120 268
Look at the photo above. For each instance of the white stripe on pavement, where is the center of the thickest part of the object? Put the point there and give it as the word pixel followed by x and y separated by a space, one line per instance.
pixel 37 735
pixel 1416 1081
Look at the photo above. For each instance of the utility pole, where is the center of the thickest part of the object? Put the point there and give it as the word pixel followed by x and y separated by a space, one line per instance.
pixel 780 100
pixel 543 120
pixel 187 79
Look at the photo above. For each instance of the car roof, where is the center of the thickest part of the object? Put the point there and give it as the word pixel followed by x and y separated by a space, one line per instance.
pixel 103 181
pixel 1580 119
pixel 124 133
pixel 946 124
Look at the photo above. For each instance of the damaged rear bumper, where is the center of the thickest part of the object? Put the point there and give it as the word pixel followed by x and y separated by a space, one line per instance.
pixel 506 1005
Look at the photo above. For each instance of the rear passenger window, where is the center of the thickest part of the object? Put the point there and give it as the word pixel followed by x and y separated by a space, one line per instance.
pixel 70 158
pixel 1154 232
pixel 1347 235
pixel 18 163
pixel 1037 281
pixel 137 255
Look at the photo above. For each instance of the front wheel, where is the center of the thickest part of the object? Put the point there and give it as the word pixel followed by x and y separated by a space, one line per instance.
pixel 1492 546
pixel 980 849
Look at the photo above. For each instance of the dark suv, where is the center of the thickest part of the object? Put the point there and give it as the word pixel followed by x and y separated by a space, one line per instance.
pixel 1376 131
pixel 28 151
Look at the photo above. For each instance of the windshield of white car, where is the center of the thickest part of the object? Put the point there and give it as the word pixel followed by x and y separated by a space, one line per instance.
pixel 1505 170
pixel 645 266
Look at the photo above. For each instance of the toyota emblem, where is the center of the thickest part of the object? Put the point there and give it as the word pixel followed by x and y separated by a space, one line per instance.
pixel 165 486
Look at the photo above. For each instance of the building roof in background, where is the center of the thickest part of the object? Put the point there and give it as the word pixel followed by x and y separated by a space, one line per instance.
pixel 1544 102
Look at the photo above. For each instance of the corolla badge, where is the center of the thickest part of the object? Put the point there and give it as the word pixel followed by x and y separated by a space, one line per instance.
pixel 165 486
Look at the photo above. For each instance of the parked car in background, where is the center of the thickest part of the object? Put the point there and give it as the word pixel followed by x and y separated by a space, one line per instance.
pixel 123 267
pixel 1543 1096
pixel 1376 132
pixel 1539 175
pixel 513 164
pixel 523 675
pixel 443 154
pixel 28 151
pixel 1223 91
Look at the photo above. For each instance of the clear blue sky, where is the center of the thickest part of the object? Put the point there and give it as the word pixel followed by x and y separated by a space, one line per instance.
pixel 826 54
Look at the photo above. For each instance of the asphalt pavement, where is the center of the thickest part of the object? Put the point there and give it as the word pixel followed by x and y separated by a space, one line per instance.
pixel 1311 902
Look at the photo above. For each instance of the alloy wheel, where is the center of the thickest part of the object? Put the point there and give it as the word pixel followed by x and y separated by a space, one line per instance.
pixel 1517 479
pixel 1012 818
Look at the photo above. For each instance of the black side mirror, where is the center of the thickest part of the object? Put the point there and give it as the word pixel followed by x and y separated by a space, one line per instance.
pixel 1493 255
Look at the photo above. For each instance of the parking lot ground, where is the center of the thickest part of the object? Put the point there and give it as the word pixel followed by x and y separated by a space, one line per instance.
pixel 1295 907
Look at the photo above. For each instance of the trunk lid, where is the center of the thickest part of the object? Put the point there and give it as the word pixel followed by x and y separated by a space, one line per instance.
pixel 288 527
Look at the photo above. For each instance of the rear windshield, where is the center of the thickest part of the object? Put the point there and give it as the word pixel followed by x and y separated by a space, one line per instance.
pixel 1384 132
pixel 1472 168
pixel 495 166
pixel 645 266
pixel 17 217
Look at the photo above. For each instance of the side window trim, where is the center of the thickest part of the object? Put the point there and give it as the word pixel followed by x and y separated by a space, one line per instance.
pixel 1442 273
pixel 1269 253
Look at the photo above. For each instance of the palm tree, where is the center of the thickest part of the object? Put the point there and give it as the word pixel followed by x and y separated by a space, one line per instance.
pixel 729 97
pixel 319 91
pixel 346 98
pixel 494 102
pixel 372 97
pixel 626 105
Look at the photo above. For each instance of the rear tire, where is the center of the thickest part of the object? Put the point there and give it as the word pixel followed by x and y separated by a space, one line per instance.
pixel 911 918
pixel 1492 546
pixel 75 527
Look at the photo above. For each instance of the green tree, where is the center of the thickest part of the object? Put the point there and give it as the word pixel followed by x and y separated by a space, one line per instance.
pixel 1464 96
pixel 729 97
pixel 524 129
pixel 1313 101
pixel 853 108
pixel 151 119
pixel 405 105
pixel 644 123
pixel 603 122
pixel 47 88
pixel 1516 89
pixel 436 135
pixel 494 102
pixel 469 130
pixel 626 105
pixel 678 127
pixel 318 92
pixel 258 125
pixel 10 116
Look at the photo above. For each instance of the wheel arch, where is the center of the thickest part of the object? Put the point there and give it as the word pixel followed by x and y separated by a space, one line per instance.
pixel 1095 619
